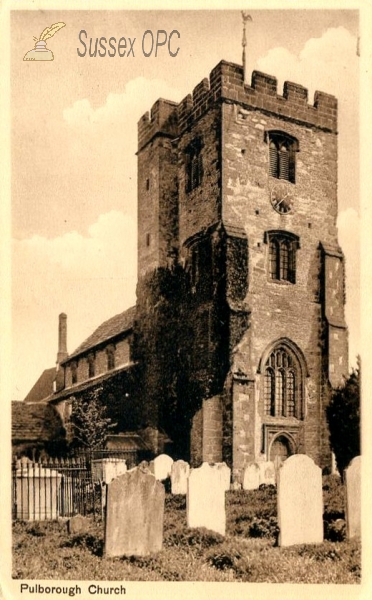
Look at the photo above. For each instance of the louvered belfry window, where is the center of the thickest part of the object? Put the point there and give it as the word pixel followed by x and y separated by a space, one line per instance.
pixel 282 156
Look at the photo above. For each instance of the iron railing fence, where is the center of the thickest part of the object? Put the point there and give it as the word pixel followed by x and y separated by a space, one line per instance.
pixel 63 487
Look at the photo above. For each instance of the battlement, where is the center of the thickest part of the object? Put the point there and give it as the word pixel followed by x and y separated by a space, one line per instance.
pixel 226 83
pixel 161 119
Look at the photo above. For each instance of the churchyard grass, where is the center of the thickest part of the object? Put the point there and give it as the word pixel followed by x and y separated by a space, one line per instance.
pixel 248 552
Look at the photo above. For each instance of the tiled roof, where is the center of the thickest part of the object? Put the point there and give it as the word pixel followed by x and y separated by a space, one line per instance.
pixel 43 387
pixel 109 329
pixel 89 383
pixel 125 441
pixel 35 422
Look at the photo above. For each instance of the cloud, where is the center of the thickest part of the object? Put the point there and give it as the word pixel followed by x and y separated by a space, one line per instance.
pixel 128 107
pixel 321 65
pixel 90 277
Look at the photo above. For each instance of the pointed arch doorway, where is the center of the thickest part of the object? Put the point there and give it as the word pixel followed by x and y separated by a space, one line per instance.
pixel 281 449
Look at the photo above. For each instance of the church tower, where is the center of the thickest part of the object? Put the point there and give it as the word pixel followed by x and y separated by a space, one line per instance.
pixel 245 188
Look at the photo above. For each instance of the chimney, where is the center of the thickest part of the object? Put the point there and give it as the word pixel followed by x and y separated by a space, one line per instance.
pixel 62 338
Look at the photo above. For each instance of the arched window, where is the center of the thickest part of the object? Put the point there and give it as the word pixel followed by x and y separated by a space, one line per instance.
pixel 282 384
pixel 282 155
pixel 282 255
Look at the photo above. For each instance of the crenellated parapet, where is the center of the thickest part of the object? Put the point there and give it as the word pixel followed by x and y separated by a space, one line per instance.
pixel 162 119
pixel 226 83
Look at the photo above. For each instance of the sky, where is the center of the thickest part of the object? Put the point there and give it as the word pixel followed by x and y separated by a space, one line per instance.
pixel 74 139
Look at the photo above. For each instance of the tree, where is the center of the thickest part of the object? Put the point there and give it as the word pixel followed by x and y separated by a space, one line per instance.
pixel 343 414
pixel 90 422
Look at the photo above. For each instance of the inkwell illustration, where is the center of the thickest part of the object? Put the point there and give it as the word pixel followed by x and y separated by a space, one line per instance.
pixel 41 52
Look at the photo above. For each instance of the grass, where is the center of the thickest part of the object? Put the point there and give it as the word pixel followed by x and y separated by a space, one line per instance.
pixel 247 553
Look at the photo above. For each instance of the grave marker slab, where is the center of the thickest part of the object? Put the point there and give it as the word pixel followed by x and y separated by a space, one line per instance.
pixel 180 472
pixel 267 473
pixel 77 524
pixel 353 498
pixel 251 477
pixel 205 500
pixel 225 474
pixel 300 502
pixel 134 515
pixel 161 466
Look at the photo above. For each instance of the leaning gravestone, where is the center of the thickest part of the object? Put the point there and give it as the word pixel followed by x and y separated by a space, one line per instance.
pixel 180 472
pixel 161 466
pixel 205 500
pixel 300 502
pixel 353 498
pixel 134 515
pixel 251 477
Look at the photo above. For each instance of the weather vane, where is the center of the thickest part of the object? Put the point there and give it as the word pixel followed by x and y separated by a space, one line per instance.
pixel 246 17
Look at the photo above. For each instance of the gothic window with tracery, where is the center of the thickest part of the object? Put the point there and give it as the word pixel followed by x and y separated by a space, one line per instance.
pixel 282 384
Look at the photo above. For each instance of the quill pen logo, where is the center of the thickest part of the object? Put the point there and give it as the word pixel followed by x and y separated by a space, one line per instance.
pixel 41 52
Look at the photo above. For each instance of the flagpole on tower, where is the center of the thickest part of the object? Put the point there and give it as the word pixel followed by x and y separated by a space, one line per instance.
pixel 246 17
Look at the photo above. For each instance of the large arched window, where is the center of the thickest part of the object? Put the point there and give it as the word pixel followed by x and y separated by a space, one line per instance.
pixel 282 384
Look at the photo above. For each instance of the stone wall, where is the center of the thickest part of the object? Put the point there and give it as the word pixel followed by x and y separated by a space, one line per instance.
pixel 248 312
pixel 122 357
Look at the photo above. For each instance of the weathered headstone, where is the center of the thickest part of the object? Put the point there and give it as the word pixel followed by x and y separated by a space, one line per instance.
pixel 180 472
pixel 353 498
pixel 251 477
pixel 77 524
pixel 205 500
pixel 134 515
pixel 161 466
pixel 225 475
pixel 300 502
pixel 267 473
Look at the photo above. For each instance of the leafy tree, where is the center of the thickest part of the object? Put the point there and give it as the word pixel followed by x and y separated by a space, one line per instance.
pixel 90 421
pixel 343 414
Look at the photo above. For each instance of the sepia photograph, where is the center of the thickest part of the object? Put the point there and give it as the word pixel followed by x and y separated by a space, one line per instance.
pixel 183 374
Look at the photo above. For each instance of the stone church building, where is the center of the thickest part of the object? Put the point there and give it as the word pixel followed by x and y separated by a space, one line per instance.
pixel 237 207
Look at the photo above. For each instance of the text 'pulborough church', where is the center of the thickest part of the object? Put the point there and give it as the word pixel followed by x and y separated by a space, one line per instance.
pixel 238 335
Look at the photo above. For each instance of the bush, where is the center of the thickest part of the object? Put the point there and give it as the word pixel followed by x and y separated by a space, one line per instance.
pixel 343 414
pixel 200 538
pixel 264 528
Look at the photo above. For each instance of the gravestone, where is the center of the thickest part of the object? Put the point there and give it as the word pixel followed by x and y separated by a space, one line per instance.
pixel 300 502
pixel 77 524
pixel 180 472
pixel 251 477
pixel 267 473
pixel 134 515
pixel 161 466
pixel 205 500
pixel 225 475
pixel 353 498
